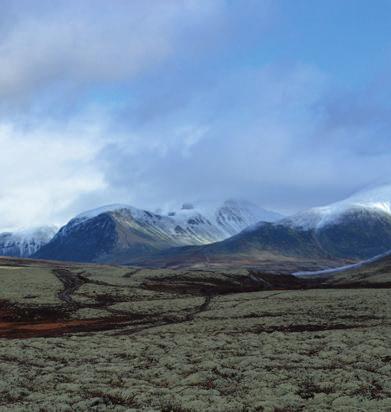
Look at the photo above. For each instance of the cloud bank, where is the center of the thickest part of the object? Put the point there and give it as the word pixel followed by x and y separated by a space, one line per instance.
pixel 155 103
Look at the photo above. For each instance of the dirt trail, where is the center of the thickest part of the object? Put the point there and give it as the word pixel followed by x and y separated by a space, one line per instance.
pixel 40 322
pixel 120 321
pixel 50 328
pixel 170 320
pixel 61 319
pixel 71 282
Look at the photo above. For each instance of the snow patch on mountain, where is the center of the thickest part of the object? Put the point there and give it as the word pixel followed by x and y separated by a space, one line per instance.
pixel 89 214
pixel 220 221
pixel 376 200
pixel 26 241
pixel 236 215
pixel 189 224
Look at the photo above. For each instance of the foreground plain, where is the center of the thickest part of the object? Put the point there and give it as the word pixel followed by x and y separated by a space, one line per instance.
pixel 97 338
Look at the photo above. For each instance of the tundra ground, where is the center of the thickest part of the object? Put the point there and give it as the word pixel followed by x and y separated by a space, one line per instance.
pixel 98 338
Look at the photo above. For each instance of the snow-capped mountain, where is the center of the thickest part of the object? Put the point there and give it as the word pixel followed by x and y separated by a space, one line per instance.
pixel 356 228
pixel 375 200
pixel 25 242
pixel 234 216
pixel 211 223
pixel 118 232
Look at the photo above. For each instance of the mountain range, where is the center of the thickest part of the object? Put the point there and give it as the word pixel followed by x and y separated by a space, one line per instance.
pixel 356 228
pixel 120 233
pixel 359 234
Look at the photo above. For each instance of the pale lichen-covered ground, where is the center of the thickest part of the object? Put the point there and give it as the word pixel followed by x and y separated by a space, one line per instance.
pixel 38 285
pixel 194 350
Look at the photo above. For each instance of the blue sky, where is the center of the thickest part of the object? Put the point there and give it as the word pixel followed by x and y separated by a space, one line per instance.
pixel 350 39
pixel 156 103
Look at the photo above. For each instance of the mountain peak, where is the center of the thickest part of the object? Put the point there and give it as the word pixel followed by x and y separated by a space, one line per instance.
pixel 117 232
pixel 376 199
pixel 89 214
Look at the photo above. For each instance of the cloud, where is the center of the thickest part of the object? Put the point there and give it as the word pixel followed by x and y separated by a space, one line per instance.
pixel 79 44
pixel 271 134
pixel 160 102
pixel 44 171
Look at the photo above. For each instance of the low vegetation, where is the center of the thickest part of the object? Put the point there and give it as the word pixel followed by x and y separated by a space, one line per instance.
pixel 101 338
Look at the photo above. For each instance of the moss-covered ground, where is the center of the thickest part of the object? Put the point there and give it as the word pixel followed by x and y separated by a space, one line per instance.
pixel 98 338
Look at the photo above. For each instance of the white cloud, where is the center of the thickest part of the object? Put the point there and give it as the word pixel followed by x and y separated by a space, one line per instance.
pixel 187 103
pixel 43 171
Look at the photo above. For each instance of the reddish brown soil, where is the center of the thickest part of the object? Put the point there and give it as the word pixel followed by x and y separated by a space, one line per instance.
pixel 49 328
pixel 16 322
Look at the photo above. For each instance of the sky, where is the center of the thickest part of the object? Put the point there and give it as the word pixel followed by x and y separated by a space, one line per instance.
pixel 158 102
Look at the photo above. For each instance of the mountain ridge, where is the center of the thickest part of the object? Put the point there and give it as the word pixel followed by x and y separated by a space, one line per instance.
pixel 117 232
pixel 356 228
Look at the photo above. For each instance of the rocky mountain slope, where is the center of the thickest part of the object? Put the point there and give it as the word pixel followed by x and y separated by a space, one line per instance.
pixel 356 228
pixel 119 233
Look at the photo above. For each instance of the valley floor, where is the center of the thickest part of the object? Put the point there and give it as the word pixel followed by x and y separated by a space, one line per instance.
pixel 100 338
